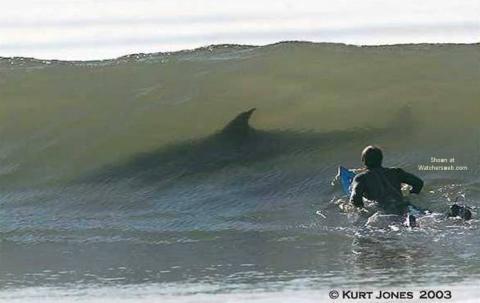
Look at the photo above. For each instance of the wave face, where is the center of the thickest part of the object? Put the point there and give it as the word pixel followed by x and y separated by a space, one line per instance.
pixel 139 169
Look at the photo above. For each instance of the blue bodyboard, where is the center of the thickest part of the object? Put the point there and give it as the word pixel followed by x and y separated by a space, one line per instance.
pixel 346 179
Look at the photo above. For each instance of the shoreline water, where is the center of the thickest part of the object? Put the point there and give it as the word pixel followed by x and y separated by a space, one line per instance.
pixel 205 293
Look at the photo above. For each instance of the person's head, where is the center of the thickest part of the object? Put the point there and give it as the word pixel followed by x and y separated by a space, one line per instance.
pixel 460 211
pixel 372 156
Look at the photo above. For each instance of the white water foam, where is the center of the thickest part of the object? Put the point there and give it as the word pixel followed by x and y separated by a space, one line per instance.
pixel 467 292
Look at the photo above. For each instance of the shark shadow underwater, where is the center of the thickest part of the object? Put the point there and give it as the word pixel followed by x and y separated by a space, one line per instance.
pixel 236 144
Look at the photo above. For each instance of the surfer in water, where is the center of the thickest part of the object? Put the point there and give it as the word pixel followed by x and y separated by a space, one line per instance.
pixel 383 185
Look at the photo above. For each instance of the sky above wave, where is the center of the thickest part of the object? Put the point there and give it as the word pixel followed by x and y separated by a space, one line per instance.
pixel 99 29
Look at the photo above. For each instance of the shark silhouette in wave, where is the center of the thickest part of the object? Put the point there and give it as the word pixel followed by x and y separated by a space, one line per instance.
pixel 238 143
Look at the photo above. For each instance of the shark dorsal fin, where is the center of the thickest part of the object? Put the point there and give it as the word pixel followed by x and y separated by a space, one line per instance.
pixel 239 125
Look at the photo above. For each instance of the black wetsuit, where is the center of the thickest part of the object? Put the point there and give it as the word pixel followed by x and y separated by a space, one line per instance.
pixel 383 185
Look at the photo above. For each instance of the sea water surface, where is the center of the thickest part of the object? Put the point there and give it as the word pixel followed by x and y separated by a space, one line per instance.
pixel 118 183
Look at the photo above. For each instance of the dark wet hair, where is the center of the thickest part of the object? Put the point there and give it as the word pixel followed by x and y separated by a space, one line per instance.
pixel 372 156
pixel 460 211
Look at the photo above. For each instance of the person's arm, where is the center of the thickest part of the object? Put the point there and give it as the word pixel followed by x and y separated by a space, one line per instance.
pixel 415 182
pixel 358 189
